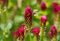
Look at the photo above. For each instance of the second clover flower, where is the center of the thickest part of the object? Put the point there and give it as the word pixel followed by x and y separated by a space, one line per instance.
pixel 28 16
pixel 43 20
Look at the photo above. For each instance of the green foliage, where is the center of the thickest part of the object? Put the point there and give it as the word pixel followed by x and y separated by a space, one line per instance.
pixel 12 18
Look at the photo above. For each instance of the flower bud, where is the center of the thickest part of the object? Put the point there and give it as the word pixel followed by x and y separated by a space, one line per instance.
pixel 21 31
pixel 54 4
pixel 28 16
pixel 16 34
pixel 56 7
pixel 43 20
pixel 53 30
pixel 36 31
pixel 43 6
pixel 50 35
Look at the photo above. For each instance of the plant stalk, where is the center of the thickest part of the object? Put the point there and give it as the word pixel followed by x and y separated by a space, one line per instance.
pixel 42 33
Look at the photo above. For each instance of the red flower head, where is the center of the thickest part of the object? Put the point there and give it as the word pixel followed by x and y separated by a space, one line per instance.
pixel 43 6
pixel 28 15
pixel 21 31
pixel 57 9
pixel 54 4
pixel 16 34
pixel 23 25
pixel 50 35
pixel 36 31
pixel 53 30
pixel 43 20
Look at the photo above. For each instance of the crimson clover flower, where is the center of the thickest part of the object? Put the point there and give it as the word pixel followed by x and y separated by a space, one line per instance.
pixel 56 7
pixel 50 35
pixel 54 4
pixel 43 20
pixel 53 30
pixel 43 6
pixel 36 31
pixel 16 34
pixel 23 25
pixel 28 15
pixel 21 31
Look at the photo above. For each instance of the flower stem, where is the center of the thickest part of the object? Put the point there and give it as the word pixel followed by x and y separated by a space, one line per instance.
pixel 56 20
pixel 59 20
pixel 54 38
pixel 35 38
pixel 42 33
pixel 24 34
pixel 21 38
pixel 14 39
pixel 49 39
pixel 28 35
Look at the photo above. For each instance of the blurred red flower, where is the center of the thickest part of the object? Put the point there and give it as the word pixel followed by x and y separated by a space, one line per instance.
pixel 53 30
pixel 43 20
pixel 43 6
pixel 36 31
pixel 16 34
pixel 28 15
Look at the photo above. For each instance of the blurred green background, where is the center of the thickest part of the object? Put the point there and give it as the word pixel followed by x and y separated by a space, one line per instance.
pixel 12 16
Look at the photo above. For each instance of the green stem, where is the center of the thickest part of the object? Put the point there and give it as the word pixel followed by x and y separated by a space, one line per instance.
pixel 49 39
pixel 59 20
pixel 28 35
pixel 54 38
pixel 42 34
pixel 56 20
pixel 35 38
pixel 24 34
pixel 15 39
